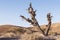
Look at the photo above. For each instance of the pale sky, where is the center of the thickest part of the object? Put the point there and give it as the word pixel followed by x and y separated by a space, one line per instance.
pixel 10 10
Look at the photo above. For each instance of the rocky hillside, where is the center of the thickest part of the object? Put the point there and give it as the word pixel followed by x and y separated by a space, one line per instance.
pixel 30 33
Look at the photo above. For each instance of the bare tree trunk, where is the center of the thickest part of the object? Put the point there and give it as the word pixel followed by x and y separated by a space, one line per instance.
pixel 49 24
pixel 33 20
pixel 47 31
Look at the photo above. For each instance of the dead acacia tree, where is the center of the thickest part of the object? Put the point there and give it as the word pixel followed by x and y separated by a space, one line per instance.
pixel 33 20
pixel 49 24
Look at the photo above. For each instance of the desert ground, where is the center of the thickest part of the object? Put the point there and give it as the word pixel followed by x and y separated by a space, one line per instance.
pixel 29 33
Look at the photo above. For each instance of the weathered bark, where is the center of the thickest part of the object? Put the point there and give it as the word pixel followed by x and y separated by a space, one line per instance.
pixel 49 24
pixel 33 20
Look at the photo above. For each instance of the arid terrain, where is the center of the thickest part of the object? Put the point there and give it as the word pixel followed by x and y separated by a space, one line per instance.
pixel 29 33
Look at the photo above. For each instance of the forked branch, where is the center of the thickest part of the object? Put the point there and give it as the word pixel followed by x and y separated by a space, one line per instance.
pixel 49 24
pixel 33 20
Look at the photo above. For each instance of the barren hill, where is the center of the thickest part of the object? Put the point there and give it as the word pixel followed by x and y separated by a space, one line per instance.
pixel 26 33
